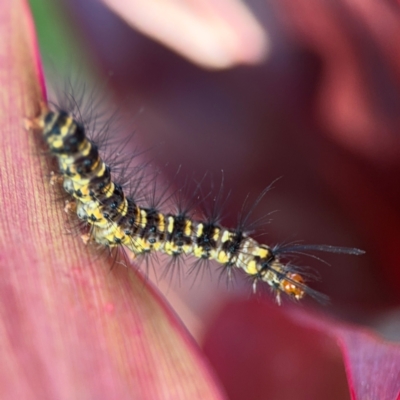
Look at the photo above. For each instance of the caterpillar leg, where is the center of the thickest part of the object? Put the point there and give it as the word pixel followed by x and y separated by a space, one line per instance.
pixel 37 123
pixel 70 207
pixel 86 238
pixel 55 178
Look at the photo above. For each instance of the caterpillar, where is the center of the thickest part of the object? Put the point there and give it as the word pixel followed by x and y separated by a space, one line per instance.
pixel 116 219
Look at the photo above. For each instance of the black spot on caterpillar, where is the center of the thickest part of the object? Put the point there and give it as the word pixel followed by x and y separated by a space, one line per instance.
pixel 117 219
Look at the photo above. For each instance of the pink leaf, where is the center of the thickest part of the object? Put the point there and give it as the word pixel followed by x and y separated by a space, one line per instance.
pixel 217 34
pixel 373 365
pixel 70 326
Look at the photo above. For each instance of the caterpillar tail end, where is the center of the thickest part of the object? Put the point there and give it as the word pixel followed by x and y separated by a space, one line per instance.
pixel 293 285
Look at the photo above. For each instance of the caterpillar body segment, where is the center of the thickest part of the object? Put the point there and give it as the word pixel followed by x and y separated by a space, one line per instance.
pixel 116 219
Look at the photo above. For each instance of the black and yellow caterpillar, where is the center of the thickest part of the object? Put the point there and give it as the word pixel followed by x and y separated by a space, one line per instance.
pixel 117 220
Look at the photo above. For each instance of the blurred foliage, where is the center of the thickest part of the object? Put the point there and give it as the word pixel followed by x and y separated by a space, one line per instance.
pixel 60 43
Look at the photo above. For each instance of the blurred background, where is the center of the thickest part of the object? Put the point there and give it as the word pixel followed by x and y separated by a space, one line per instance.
pixel 308 91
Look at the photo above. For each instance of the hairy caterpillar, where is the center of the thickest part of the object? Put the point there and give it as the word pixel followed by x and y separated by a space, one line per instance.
pixel 116 219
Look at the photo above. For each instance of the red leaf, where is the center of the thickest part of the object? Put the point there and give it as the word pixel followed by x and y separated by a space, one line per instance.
pixel 259 351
